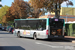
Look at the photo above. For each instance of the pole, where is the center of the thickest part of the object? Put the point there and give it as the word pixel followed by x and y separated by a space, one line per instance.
pixel 66 14
pixel 66 17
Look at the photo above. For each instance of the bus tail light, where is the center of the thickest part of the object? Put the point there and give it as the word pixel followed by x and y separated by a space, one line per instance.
pixel 46 32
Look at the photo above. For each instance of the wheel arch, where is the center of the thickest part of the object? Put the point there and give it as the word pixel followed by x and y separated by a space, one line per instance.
pixel 18 32
pixel 34 33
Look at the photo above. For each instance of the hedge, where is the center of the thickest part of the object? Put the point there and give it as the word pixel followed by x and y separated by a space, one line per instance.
pixel 70 29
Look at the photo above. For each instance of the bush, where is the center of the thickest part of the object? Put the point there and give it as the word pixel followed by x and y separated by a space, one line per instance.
pixel 70 29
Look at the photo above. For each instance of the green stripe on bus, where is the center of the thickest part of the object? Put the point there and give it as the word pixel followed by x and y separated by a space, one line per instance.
pixel 64 23
pixel 47 22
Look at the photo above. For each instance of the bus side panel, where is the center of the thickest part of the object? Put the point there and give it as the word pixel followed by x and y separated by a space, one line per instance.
pixel 15 32
pixel 64 28
pixel 41 34
pixel 22 33
pixel 47 27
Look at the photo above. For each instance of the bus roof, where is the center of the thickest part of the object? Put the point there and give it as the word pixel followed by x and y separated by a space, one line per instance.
pixel 32 19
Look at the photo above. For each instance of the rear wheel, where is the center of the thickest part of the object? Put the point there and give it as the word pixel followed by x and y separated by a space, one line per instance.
pixel 35 36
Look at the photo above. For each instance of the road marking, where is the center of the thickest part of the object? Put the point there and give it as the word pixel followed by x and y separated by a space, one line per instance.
pixel 65 47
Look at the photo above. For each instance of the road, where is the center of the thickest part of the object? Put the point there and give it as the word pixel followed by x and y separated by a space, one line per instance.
pixel 10 42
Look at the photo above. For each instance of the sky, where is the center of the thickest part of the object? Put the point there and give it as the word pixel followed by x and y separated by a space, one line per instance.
pixel 9 2
pixel 64 4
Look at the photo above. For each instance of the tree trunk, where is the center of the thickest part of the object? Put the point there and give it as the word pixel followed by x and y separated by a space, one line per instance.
pixel 57 12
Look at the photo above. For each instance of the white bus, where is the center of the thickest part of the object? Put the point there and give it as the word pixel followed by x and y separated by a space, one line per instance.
pixel 46 28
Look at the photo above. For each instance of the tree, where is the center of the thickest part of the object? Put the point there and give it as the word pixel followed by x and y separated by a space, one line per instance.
pixel 49 5
pixel 18 10
pixel 0 4
pixel 3 12
pixel 34 12
pixel 4 19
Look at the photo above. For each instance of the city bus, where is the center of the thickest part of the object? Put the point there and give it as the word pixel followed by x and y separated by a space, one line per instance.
pixel 40 28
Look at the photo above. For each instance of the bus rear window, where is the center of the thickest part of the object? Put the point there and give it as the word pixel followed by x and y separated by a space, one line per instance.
pixel 56 24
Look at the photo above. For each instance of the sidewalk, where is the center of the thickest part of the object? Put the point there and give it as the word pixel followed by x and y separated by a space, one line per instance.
pixel 70 38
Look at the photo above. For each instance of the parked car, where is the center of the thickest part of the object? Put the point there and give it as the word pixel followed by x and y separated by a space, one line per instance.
pixel 7 29
pixel 11 29
pixel 3 28
pixel 0 28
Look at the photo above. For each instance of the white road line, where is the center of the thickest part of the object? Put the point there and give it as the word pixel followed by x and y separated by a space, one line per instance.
pixel 65 47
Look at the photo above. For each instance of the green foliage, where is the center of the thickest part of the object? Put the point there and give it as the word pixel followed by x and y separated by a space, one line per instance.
pixel 10 21
pixel 70 29
pixel 3 11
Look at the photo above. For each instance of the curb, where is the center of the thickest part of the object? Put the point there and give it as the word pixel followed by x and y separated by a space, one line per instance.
pixel 73 41
pixel 69 38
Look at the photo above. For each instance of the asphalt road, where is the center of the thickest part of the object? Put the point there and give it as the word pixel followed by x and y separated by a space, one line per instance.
pixel 10 42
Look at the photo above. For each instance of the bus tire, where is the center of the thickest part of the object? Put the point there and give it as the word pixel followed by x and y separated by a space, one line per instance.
pixel 35 36
pixel 18 35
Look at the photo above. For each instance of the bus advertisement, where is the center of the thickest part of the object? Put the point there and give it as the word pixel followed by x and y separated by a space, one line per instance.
pixel 43 28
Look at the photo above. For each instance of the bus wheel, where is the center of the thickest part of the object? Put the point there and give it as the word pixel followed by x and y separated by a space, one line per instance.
pixel 35 36
pixel 18 35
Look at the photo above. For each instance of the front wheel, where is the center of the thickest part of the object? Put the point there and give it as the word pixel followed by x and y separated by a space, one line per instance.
pixel 35 37
pixel 18 35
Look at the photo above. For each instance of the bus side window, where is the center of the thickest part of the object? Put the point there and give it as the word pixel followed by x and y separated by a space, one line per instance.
pixel 36 26
pixel 42 26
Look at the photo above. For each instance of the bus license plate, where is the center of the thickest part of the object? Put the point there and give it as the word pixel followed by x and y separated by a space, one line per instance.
pixel 55 36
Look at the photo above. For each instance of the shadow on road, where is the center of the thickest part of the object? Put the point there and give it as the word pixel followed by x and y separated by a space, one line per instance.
pixel 11 48
pixel 70 38
pixel 5 33
pixel 51 40
pixel 55 40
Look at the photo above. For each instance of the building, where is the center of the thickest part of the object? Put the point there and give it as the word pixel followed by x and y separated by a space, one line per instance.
pixel 68 18
pixel 66 11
